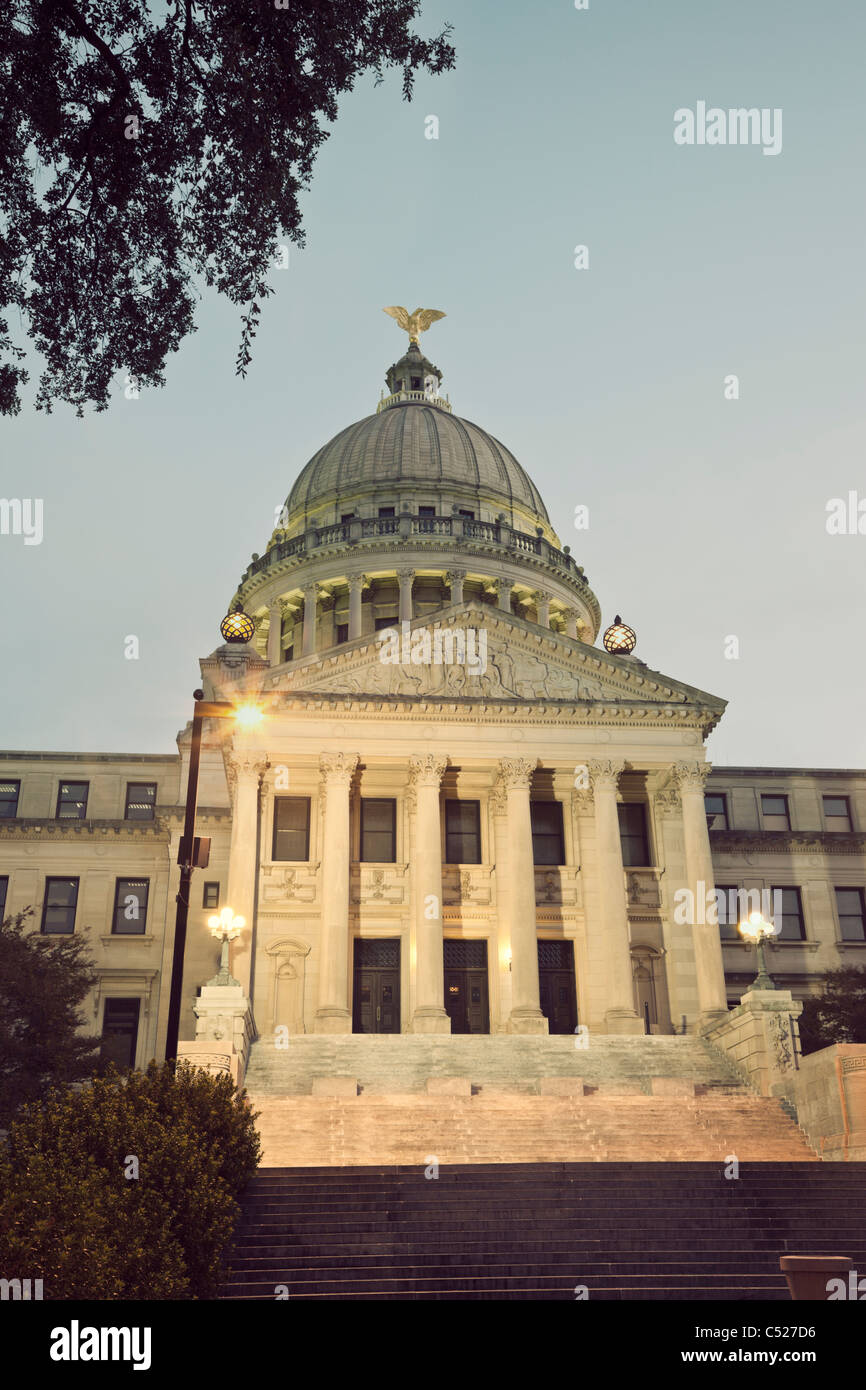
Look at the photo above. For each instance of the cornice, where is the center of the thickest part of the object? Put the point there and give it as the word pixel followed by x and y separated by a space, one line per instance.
pixel 789 841
pixel 47 827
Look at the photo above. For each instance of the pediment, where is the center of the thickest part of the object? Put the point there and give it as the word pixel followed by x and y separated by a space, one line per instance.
pixel 500 657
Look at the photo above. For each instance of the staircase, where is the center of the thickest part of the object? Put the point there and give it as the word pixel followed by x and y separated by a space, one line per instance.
pixel 615 1230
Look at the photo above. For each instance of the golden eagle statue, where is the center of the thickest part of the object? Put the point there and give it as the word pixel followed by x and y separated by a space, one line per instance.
pixel 413 324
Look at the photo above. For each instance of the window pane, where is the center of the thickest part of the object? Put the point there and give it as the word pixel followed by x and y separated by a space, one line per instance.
pixel 727 903
pixel 378 820
pixel 211 895
pixel 792 925
pixel 633 836
pixel 120 1032
pixel 292 828
pixel 837 813
pixel 462 832
pixel 774 812
pixel 140 800
pixel 130 906
pixel 547 837
pixel 9 799
pixel 58 909
pixel 72 801
pixel 852 919
pixel 714 805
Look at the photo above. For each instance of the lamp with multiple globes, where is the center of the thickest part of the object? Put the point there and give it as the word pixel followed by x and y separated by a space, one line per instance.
pixel 757 930
pixel 226 927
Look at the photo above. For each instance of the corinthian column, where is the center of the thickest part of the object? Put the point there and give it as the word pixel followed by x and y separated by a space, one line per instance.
pixel 356 589
pixel 405 577
pixel 620 1015
pixel 526 1015
pixel 311 594
pixel 709 965
pixel 454 579
pixel 244 770
pixel 334 1014
pixel 426 775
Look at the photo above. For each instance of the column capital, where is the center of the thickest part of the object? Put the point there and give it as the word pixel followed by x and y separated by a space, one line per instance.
pixel 604 773
pixel 311 590
pixel 691 776
pixel 541 595
pixel 454 576
pixel 426 769
pixel 338 768
pixel 357 582
pixel 405 573
pixel 498 798
pixel 243 765
pixel 516 773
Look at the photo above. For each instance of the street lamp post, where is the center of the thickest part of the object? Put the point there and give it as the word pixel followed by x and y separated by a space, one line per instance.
pixel 757 930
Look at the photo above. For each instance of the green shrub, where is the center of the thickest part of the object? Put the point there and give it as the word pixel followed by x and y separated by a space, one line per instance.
pixel 70 1215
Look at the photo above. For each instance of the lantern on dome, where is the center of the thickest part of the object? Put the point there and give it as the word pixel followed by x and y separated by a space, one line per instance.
pixel 237 627
pixel 619 638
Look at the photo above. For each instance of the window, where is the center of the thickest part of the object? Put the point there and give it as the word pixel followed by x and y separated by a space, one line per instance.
pixel 387 511
pixel 140 800
pixel 72 800
pixel 717 811
pixel 288 652
pixel 852 916
pixel 292 828
pixel 416 383
pixel 378 830
pixel 4 890
pixel 348 516
pixel 728 906
pixel 837 813
pixel 385 622
pixel 632 834
pixel 774 813
pixel 119 1032
pixel 548 846
pixel 58 908
pixel 470 516
pixel 130 906
pixel 211 895
pixel 793 928
pixel 426 511
pixel 342 632
pixel 462 832
pixel 9 799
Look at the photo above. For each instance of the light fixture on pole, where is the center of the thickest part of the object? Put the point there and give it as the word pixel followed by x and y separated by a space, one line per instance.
pixel 757 930
pixel 226 927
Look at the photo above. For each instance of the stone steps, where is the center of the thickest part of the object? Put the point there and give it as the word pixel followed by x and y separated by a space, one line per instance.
pixel 537 1231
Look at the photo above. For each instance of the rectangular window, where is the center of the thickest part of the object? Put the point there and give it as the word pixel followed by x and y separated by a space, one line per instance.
pixel 9 799
pixel 470 516
pixel 837 813
pixel 58 908
pixel 632 834
pixel 292 828
pixel 378 830
pixel 426 511
pixel 348 516
pixel 288 652
pixel 4 893
pixel 727 903
pixel 852 917
pixel 140 800
pixel 385 622
pixel 717 811
pixel 211 895
pixel 793 927
pixel 462 832
pixel 774 813
pixel 72 800
pixel 342 632
pixel 387 511
pixel 548 843
pixel 130 906
pixel 119 1032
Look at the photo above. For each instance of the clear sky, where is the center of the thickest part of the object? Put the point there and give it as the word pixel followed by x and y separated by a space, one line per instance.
pixel 707 516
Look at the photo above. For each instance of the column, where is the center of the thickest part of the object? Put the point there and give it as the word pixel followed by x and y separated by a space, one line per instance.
pixel 526 1015
pixel 426 771
pixel 311 593
pixel 275 633
pixel 709 965
pixel 405 577
pixel 505 590
pixel 356 589
pixel 542 604
pixel 498 803
pixel 334 1014
pixel 455 579
pixel 571 623
pixel 620 1014
pixel 244 769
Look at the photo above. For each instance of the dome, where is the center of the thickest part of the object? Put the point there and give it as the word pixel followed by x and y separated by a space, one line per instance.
pixel 418 449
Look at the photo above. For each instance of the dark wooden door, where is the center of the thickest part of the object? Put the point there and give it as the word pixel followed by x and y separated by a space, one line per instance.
pixel 376 1001
pixel 556 985
pixel 119 1032
pixel 466 992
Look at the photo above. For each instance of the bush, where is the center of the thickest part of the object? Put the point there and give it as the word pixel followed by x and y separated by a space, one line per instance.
pixel 73 1213
pixel 838 1013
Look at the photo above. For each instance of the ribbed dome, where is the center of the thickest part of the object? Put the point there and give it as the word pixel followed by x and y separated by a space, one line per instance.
pixel 417 447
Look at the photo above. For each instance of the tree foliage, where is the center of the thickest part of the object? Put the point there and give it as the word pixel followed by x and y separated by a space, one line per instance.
pixel 78 1214
pixel 43 983
pixel 147 151
pixel 838 1013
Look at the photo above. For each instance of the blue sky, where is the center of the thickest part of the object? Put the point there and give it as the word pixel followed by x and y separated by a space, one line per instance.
pixel 707 516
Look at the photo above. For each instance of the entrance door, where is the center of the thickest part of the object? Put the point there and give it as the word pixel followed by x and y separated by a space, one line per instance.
pixel 466 998
pixel 119 1032
pixel 376 995
pixel 556 987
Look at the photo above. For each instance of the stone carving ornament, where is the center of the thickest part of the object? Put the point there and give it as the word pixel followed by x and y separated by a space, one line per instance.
pixel 604 773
